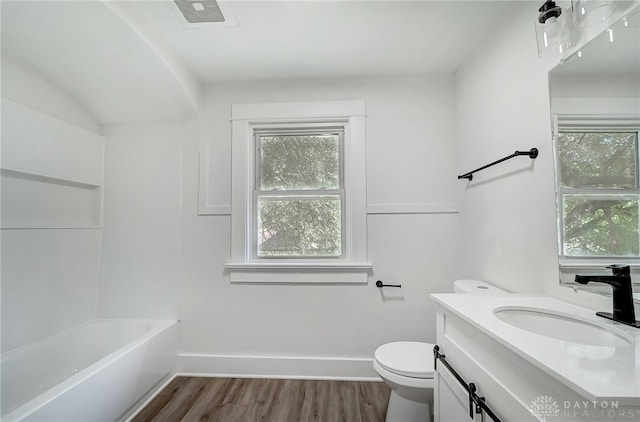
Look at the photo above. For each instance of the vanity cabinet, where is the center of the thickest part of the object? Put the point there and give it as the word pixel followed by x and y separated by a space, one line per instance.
pixel 512 386
pixel 477 359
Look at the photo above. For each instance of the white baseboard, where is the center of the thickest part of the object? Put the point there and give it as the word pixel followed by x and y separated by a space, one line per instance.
pixel 347 369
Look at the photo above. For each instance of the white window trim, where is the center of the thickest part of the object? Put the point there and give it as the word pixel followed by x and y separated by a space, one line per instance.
pixel 243 267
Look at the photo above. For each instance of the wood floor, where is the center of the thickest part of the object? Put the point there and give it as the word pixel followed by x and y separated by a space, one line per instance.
pixel 248 400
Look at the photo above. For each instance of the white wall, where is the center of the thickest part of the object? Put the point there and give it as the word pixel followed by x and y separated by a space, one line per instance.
pixel 598 94
pixel 508 211
pixel 409 160
pixel 508 219
pixel 140 271
pixel 594 86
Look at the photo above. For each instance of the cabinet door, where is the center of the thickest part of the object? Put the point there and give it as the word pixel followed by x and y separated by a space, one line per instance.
pixel 451 399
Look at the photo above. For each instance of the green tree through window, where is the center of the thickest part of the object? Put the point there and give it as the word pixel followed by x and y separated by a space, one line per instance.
pixel 598 188
pixel 299 194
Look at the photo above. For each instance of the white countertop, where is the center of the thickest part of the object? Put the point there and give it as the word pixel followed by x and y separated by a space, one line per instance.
pixel 595 372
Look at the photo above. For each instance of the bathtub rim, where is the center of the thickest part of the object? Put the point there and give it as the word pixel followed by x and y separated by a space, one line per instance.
pixel 31 406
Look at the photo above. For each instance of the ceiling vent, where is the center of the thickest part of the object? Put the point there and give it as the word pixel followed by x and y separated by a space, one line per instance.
pixel 200 11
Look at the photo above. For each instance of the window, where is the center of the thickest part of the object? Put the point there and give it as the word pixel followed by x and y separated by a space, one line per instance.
pixel 598 194
pixel 298 193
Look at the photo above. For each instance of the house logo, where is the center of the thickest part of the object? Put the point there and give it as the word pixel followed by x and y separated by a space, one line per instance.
pixel 544 407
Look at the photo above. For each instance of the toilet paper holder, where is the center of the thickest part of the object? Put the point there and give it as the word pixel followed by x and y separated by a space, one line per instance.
pixel 380 284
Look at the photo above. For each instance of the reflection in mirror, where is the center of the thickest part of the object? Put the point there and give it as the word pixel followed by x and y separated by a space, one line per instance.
pixel 595 106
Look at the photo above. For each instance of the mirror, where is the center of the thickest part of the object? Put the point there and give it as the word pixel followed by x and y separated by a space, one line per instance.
pixel 595 107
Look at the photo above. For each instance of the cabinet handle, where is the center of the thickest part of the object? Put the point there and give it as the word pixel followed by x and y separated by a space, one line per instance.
pixel 472 392
pixel 474 402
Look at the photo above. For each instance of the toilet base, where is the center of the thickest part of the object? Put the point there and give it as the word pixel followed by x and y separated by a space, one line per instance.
pixel 401 409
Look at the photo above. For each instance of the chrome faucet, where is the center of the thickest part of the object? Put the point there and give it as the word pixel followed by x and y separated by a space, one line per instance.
pixel 620 282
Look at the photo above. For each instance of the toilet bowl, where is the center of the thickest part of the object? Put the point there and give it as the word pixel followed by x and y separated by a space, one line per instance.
pixel 407 367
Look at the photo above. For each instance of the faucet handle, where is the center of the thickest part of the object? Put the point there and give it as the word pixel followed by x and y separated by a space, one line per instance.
pixel 619 269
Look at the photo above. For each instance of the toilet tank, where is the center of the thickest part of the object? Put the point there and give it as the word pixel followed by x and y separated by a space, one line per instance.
pixel 477 287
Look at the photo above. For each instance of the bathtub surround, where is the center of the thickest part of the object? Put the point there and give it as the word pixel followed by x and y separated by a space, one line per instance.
pixel 55 142
pixel 52 238
pixel 51 222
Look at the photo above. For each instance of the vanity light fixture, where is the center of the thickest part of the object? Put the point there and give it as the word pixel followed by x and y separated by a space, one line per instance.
pixel 590 12
pixel 552 32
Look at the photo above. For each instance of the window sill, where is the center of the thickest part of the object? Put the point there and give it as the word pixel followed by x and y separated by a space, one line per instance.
pixel 299 273
pixel 569 265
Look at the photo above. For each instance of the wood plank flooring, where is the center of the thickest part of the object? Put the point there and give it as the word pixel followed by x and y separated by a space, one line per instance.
pixel 269 400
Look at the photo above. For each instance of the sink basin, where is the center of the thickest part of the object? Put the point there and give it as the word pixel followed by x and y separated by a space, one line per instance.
pixel 563 327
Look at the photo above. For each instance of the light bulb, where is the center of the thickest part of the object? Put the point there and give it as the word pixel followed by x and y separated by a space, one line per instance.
pixel 552 27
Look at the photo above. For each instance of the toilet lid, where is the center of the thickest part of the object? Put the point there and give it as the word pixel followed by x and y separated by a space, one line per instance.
pixel 408 358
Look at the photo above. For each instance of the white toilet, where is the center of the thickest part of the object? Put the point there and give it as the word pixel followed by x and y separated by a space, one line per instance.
pixel 407 367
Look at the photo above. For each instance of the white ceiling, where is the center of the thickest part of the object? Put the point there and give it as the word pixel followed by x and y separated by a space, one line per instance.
pixel 89 51
pixel 314 39
pixel 138 61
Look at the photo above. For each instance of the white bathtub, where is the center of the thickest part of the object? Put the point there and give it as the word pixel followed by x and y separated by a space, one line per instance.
pixel 94 372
